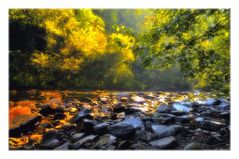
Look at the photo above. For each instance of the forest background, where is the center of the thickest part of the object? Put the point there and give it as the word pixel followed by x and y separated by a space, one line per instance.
pixel 140 49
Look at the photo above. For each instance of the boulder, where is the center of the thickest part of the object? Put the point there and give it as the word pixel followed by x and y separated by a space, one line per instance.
pixel 64 146
pixel 165 131
pixel 105 141
pixel 167 142
pixel 121 130
pixel 209 102
pixel 88 125
pixel 28 124
pixel 49 110
pixel 101 129
pixel 77 136
pixel 78 144
pixel 181 107
pixel 224 105
pixel 119 109
pixel 123 99
pixel 200 120
pixel 68 127
pixel 137 99
pixel 104 99
pixel 59 116
pixel 50 143
pixel 193 146
pixel 183 118
pixel 124 145
pixel 85 113
pixel 135 122
pixel 163 108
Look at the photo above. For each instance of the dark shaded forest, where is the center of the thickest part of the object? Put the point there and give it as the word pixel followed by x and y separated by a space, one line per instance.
pixel 139 49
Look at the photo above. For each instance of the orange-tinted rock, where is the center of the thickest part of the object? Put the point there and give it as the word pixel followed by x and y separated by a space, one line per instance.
pixel 35 137
pixel 14 112
pixel 26 103
pixel 52 94
pixel 22 120
pixel 23 124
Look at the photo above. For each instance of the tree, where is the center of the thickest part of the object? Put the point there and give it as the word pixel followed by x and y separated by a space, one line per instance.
pixel 197 40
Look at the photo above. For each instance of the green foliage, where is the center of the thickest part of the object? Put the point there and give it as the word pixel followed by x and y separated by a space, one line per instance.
pixel 197 40
pixel 120 49
pixel 75 40
pixel 133 19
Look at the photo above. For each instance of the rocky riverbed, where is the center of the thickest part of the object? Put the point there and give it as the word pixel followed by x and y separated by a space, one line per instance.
pixel 69 120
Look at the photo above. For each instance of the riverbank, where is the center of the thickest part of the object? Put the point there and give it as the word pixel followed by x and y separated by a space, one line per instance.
pixel 103 120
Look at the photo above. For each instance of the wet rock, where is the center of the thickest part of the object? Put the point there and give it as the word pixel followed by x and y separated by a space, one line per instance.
pixel 120 115
pixel 50 144
pixel 131 110
pixel 147 125
pixel 123 99
pixel 208 113
pixel 101 129
pixel 150 96
pixel 212 125
pixel 68 127
pixel 181 107
pixel 77 136
pixel 183 118
pixel 85 113
pixel 178 113
pixel 124 145
pixel 214 138
pixel 119 109
pixel 113 116
pixel 28 146
pixel 51 139
pixel 139 146
pixel 30 123
pixel 163 108
pixel 135 122
pixel 52 133
pixel 78 144
pixel 105 141
pixel 226 116
pixel 186 103
pixel 209 102
pixel 148 136
pixel 46 125
pixel 121 130
pixel 225 131
pixel 167 142
pixel 163 118
pixel 134 105
pixel 193 146
pixel 165 131
pixel 104 99
pixel 137 99
pixel 115 101
pixel 64 146
pixel 224 105
pixel 59 116
pixel 86 99
pixel 88 125
pixel 200 120
pixel 49 110
pixel 55 123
